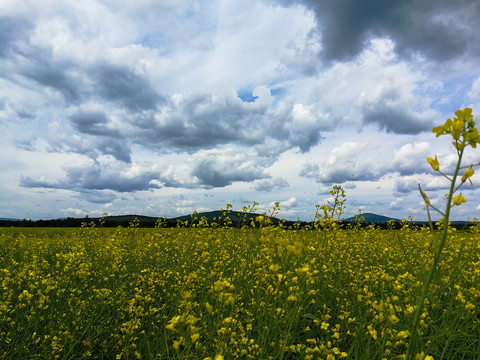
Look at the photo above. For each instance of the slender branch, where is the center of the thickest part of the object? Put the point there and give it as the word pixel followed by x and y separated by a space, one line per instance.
pixel 441 173
pixel 437 210
pixel 458 187
pixel 469 166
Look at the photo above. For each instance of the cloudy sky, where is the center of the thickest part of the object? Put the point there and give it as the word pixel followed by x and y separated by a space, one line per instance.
pixel 160 107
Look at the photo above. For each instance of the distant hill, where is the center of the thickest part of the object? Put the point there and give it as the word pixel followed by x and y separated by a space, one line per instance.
pixel 125 220
pixel 215 215
pixel 371 218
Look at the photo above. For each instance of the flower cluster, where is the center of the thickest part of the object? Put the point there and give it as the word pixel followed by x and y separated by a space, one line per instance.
pixel 464 133
pixel 462 125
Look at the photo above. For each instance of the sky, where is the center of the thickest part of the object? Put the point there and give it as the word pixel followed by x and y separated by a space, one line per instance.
pixel 160 108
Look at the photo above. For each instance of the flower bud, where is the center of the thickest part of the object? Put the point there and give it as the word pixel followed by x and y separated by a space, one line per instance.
pixel 434 163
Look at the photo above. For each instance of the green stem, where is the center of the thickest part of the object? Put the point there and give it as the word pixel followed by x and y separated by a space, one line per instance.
pixel 418 312
pixel 430 221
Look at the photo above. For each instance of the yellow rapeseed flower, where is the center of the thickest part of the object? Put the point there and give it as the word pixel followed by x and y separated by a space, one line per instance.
pixel 209 308
pixel 176 345
pixel 274 267
pixel 295 249
pixel 422 356
pixel 457 127
pixel 403 334
pixel 394 319
pixel 472 137
pixel 438 130
pixel 458 200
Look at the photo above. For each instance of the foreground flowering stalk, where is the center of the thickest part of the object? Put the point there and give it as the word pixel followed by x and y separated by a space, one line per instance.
pixel 464 133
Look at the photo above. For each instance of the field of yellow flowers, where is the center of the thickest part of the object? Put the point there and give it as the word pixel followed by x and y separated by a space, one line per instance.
pixel 208 293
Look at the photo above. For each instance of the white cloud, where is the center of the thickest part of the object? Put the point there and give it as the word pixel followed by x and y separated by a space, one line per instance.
pixel 74 212
pixel 396 204
pixel 270 184
pixel 428 182
pixel 474 96
pixel 347 162
pixel 405 160
pixel 292 202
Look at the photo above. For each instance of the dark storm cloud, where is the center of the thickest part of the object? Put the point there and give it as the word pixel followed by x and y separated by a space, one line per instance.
pixel 95 177
pixel 305 138
pixel 396 119
pixel 122 85
pixel 92 145
pixel 92 122
pixel 439 29
pixel 115 84
pixel 392 110
pixel 118 148
pixel 59 76
pixel 34 62
pixel 213 176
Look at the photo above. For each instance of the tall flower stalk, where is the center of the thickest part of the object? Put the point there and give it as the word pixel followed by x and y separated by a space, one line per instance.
pixel 464 133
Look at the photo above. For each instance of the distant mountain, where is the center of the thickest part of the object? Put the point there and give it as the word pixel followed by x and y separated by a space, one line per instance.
pixel 126 219
pixel 217 214
pixel 10 219
pixel 371 218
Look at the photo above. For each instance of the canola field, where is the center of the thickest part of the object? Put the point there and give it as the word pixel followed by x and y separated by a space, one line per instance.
pixel 271 293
